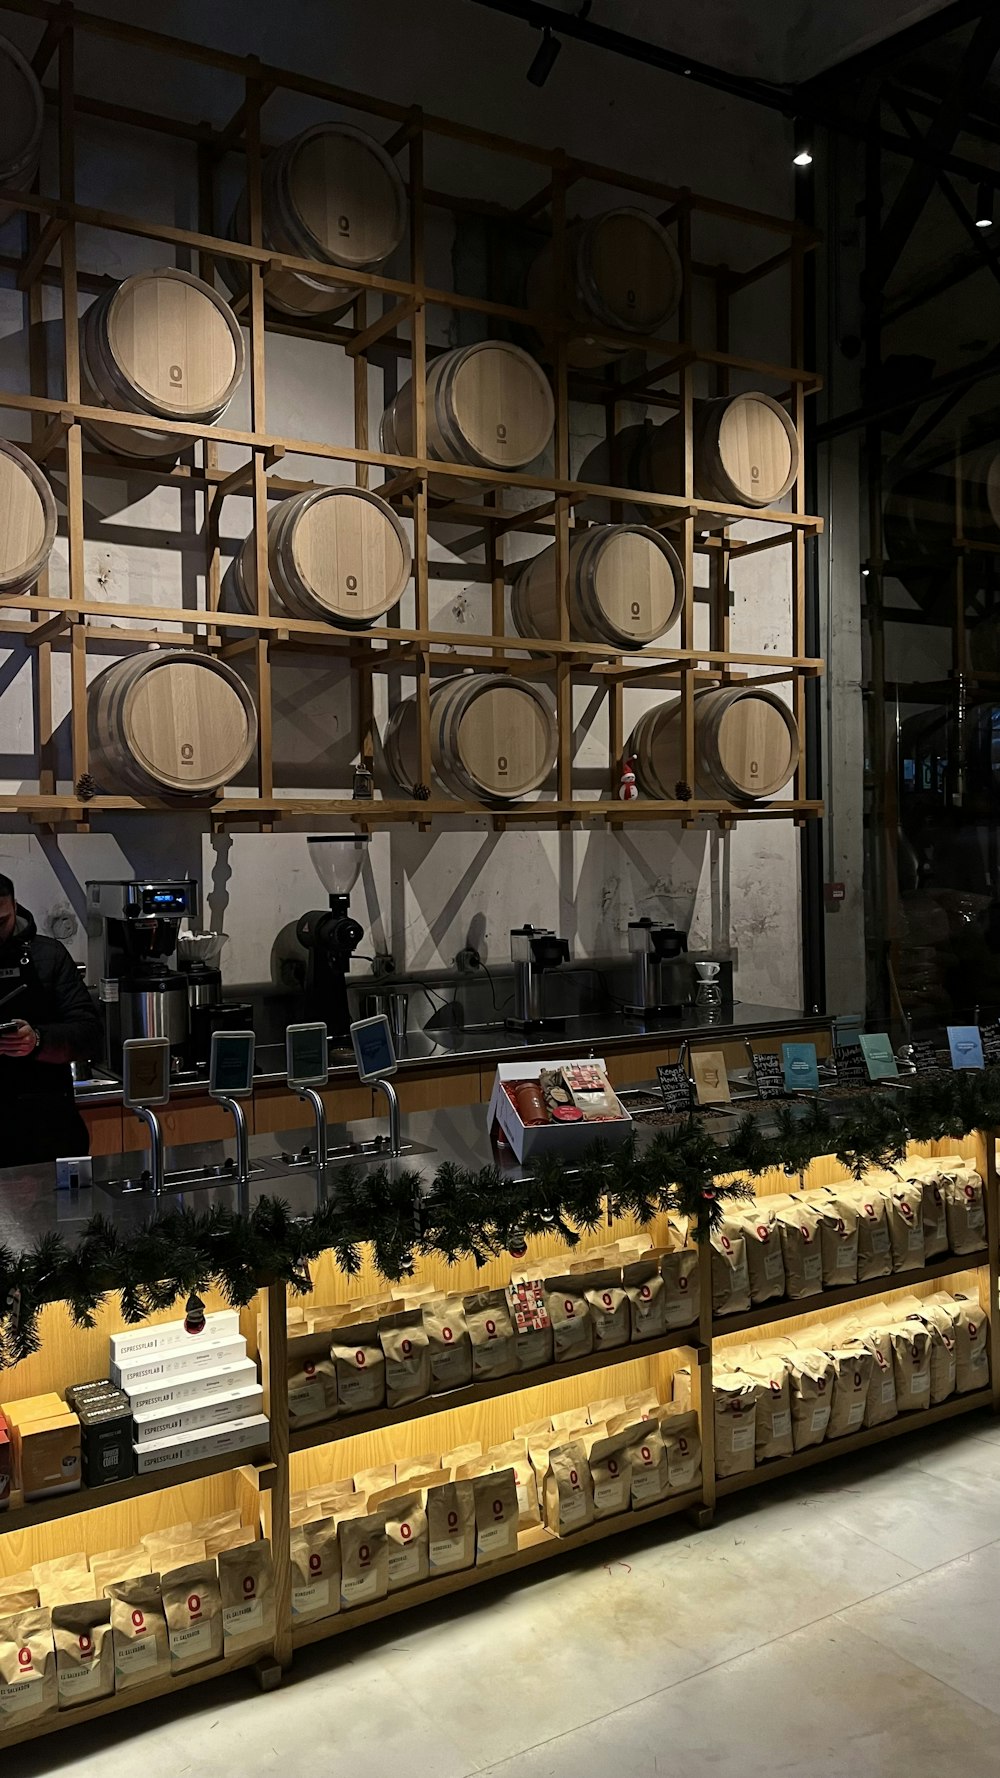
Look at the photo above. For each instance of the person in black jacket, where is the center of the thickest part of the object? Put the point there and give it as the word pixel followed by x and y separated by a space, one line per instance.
pixel 47 1021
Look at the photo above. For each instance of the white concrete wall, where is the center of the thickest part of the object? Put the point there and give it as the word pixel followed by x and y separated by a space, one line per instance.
pixel 423 896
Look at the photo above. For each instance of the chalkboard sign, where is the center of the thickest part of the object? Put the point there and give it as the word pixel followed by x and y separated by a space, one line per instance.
pixel 990 1035
pixel 674 1086
pixel 852 1069
pixel 925 1058
pixel 770 1076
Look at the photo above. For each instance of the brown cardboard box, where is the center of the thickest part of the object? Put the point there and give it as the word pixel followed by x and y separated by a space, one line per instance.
pixel 47 1456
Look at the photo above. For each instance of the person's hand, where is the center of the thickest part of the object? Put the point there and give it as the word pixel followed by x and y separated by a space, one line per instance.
pixel 22 1042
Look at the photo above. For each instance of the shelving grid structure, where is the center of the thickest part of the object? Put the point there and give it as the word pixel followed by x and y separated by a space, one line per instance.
pixel 388 319
pixel 261 1483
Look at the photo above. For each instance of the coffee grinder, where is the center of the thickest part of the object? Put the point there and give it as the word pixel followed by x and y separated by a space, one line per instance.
pixel 654 987
pixel 534 950
pixel 131 940
pixel 330 936
pixel 198 955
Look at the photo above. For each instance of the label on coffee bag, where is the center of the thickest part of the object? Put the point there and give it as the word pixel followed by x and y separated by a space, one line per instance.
pixel 681 1474
pixel 24 1694
pixel 307 1398
pixel 313 1598
pixel 79 1682
pixel 445 1551
pixel 820 1418
pixel 781 1424
pixel 845 1257
pixel 135 1654
pixel 742 1438
pixel 240 1620
pixel 195 1640
pixel 855 1414
pixel 888 1391
pixel 880 1238
pixel 492 1537
pixel 608 1495
pixel 812 1267
pixel 920 1385
pixel 404 1563
pixel 358 1589
pixel 774 1265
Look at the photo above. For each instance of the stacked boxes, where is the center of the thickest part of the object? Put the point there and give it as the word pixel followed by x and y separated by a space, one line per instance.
pixel 106 1432
pixel 45 1435
pixel 191 1394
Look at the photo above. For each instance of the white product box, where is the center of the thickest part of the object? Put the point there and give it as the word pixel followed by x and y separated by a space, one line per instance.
pixel 170 1392
pixel 571 1140
pixel 147 1342
pixel 233 1404
pixel 184 1362
pixel 191 1447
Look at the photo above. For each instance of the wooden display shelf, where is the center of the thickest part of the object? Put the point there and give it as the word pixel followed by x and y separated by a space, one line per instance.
pixel 535 1545
pixel 353 1425
pixel 980 1399
pixel 784 1310
pixel 87 1500
pixel 145 1694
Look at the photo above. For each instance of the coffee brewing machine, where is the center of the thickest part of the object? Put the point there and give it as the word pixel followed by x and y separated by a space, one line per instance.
pixel 132 930
pixel 330 936
pixel 534 951
pixel 659 979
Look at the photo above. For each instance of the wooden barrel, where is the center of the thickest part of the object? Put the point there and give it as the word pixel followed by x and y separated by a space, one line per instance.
pixel 493 738
pixel 22 109
pixel 487 404
pixel 624 276
pixel 331 194
pixel 27 520
pixel 746 452
pixel 171 724
pixel 626 587
pixel 160 343
pixel 337 554
pixel 746 746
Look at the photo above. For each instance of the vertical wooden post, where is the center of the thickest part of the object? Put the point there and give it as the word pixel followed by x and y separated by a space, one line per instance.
pixel 564 671
pixel 989 1274
pixel 702 1391
pixel 274 1367
pixel 258 421
pixel 41 656
pixel 74 436
pixel 418 337
pixel 210 450
pixel 961 639
pixel 688 766
pixel 361 470
pixel 495 570
pixel 799 505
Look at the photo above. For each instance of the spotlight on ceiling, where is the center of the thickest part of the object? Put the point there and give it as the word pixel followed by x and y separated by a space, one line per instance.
pixel 984 206
pixel 803 156
pixel 544 59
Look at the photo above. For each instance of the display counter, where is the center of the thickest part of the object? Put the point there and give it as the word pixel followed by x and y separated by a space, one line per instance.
pixel 460 1209
pixel 447 1069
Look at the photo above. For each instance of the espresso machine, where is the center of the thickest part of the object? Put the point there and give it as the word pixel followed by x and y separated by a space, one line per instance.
pixel 534 950
pixel 660 983
pixel 330 936
pixel 132 932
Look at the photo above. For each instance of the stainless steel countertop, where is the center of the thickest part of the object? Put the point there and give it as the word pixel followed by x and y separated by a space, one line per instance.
pixel 495 1044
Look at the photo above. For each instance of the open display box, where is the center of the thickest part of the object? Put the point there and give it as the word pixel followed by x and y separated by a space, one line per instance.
pixel 572 1139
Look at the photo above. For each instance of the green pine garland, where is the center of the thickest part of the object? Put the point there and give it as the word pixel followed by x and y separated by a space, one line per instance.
pixel 471 1214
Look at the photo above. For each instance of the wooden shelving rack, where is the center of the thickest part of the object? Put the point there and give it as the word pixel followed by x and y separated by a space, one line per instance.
pixel 369 338
pixel 263 1488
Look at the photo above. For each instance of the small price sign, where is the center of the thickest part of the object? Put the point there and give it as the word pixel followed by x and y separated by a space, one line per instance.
pixel 674 1086
pixel 852 1069
pixel 990 1035
pixel 770 1076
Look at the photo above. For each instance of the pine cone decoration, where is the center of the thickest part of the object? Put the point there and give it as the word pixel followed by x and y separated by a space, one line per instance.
pixel 85 787
pixel 421 793
pixel 682 791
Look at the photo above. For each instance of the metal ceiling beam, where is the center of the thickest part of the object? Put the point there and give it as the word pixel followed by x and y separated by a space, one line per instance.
pixel 977 60
pixel 987 366
pixel 874 60
pixel 947 275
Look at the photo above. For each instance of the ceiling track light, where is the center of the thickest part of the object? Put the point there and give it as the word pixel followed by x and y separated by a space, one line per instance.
pixel 802 132
pixel 544 59
pixel 984 206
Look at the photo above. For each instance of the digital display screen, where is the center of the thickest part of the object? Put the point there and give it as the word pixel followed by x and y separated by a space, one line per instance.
pixel 231 1069
pixel 373 1049
pixel 306 1054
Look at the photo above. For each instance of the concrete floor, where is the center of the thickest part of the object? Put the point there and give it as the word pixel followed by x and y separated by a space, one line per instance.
pixel 845 1625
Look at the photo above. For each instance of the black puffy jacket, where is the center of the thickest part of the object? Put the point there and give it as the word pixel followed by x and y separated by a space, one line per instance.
pixel 37 1116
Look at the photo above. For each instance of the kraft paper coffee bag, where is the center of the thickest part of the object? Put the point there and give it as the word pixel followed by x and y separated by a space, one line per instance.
pixel 647 1456
pixel 609 1308
pixel 681 1276
pixel 192 1606
pixel 934 1212
pixel 85 1654
pixel 800 1222
pixel 569 1313
pixel 406 1537
pixel 494 1351
pixel 360 1366
pixel 569 1500
pixel 496 1516
pixel 911 1356
pixel 646 1292
pixel 364 1559
pixel 874 1249
pixel 730 1277
pixel 853 1367
pixel 838 1241
pixel 966 1210
pixel 773 1417
pixel 312 1380
pixel 810 1387
pixel 407 1357
pixel 514 1456
pixel 27 1669
pixel 450 1347
pixel 451 1527
pixel 139 1632
pixel 944 1361
pixel 315 1571
pixel 246 1580
pixel 765 1264
pixel 873 1330
pixel 530 1319
pixel 610 1475
pixel 735 1410
pixel 905 1204
pixel 972 1330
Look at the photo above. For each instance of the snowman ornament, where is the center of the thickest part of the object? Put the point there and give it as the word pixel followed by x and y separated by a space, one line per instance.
pixel 628 790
